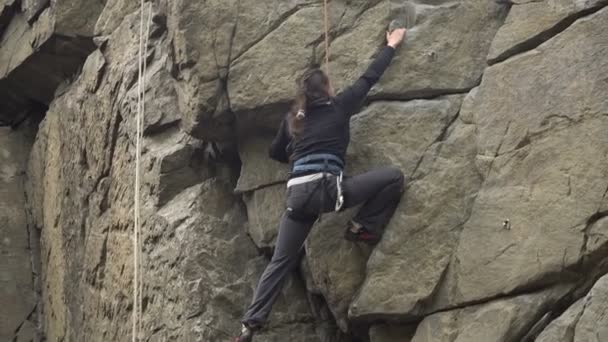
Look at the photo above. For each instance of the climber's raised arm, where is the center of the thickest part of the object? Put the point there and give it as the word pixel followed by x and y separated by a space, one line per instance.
pixel 351 98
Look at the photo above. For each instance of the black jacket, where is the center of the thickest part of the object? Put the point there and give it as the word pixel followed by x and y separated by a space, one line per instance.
pixel 326 127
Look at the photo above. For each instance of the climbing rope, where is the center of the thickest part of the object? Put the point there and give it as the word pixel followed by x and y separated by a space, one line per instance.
pixel 137 242
pixel 326 26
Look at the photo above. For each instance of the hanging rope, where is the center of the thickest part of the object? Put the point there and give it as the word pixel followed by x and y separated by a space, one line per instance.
pixel 137 241
pixel 326 24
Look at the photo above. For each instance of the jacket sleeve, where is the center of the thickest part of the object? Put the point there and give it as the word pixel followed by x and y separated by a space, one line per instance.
pixel 352 97
pixel 278 147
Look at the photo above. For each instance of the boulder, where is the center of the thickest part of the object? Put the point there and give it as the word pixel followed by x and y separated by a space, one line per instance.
pixel 562 328
pixel 199 267
pixel 32 8
pixel 219 270
pixel 501 320
pixel 532 22
pixel 265 74
pixel 17 292
pixel 257 169
pixel 206 62
pixel 399 133
pixel 585 320
pixel 337 266
pixel 264 210
pixel 444 52
pixel 76 17
pixel 113 14
pixel 547 172
pixel 391 333
pixel 410 262
pixel 42 42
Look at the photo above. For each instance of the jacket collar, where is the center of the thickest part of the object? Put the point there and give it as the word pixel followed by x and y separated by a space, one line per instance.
pixel 323 101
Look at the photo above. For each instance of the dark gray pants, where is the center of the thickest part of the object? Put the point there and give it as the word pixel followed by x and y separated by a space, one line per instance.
pixel 380 190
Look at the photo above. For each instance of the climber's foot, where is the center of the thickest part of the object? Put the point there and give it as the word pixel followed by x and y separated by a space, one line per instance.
pixel 246 334
pixel 358 233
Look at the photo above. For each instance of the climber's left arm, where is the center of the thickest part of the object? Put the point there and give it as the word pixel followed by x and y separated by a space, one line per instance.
pixel 278 147
pixel 351 98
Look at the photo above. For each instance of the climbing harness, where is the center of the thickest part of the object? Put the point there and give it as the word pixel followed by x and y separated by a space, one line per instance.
pixel 316 176
pixel 137 244
pixel 324 165
pixel 340 195
pixel 304 179
pixel 318 162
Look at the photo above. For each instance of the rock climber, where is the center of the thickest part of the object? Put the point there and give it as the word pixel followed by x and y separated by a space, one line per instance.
pixel 313 138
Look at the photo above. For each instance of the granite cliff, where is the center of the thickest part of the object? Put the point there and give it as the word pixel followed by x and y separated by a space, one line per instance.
pixel 496 111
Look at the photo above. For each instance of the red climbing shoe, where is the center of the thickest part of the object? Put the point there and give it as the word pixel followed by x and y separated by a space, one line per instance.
pixel 362 235
pixel 246 334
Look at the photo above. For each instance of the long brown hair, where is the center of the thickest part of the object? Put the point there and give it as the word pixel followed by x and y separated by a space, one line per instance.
pixel 311 86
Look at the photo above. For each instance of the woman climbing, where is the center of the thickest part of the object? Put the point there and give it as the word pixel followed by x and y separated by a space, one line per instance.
pixel 313 138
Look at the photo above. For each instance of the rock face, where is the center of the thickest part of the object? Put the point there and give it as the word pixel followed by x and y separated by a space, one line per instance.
pixel 499 320
pixel 42 45
pixel 532 22
pixel 496 113
pixel 17 277
pixel 547 181
pixel 585 320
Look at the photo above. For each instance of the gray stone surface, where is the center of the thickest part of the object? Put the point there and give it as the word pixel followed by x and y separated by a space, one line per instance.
pixel 433 210
pixel 219 271
pixel 548 166
pixel 32 8
pixel 42 46
pixel 113 14
pixel 270 77
pixel 337 265
pixel 585 320
pixel 264 210
pixel 17 294
pixel 562 328
pixel 193 226
pixel 257 169
pixel 523 139
pixel 20 40
pixel 391 333
pixel 76 17
pixel 445 50
pixel 530 23
pixel 207 98
pixel 502 320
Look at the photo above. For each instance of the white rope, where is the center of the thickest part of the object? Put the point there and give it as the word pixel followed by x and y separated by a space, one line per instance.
pixel 143 111
pixel 136 192
pixel 137 242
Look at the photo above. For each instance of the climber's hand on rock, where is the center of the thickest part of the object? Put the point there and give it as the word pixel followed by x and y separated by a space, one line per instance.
pixel 395 37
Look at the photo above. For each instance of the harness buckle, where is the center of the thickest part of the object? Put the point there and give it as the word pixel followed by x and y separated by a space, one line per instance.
pixel 340 195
